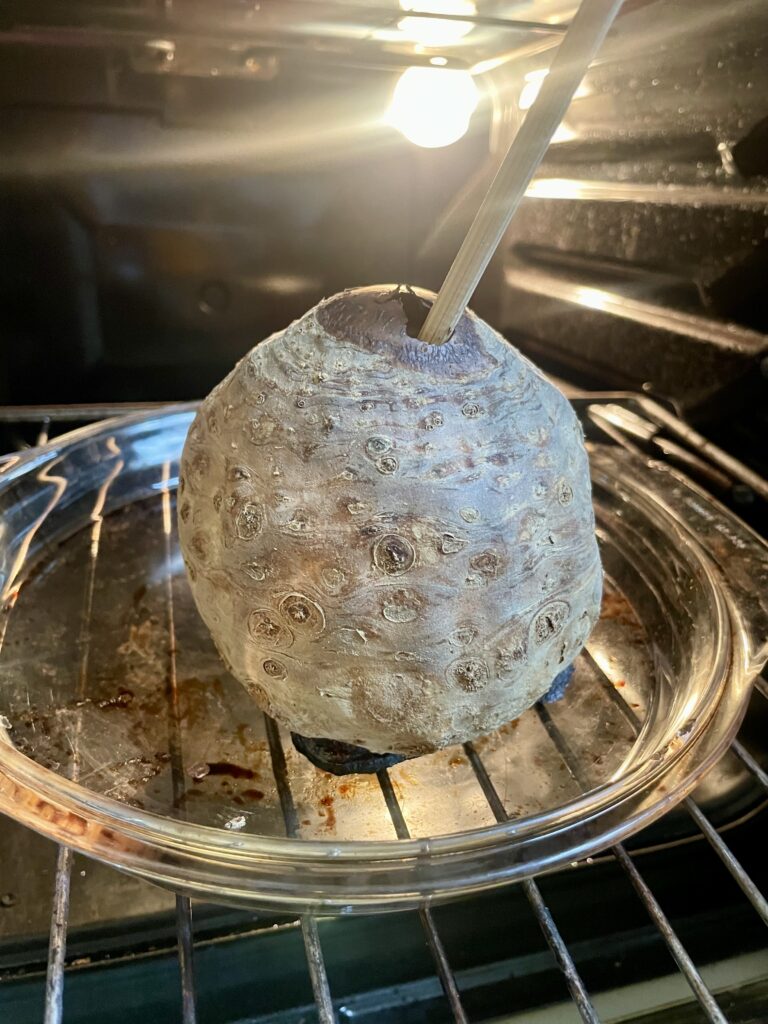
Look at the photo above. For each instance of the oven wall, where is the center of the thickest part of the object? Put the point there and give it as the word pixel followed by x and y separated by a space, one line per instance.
pixel 155 227
pixel 154 230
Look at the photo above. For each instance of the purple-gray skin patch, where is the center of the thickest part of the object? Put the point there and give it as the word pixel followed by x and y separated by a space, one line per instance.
pixel 342 758
pixel 559 686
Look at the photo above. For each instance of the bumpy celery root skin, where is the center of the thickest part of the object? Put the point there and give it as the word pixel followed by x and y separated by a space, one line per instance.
pixel 392 543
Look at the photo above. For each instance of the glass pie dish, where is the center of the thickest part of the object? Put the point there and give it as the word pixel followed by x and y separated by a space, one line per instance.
pixel 123 736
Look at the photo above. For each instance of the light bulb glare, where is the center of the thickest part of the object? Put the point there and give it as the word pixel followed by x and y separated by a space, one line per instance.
pixel 432 107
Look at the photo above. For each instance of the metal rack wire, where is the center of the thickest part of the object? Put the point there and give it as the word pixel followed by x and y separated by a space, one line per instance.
pixel 55 987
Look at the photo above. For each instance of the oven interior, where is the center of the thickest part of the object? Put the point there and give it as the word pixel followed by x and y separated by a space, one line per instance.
pixel 181 180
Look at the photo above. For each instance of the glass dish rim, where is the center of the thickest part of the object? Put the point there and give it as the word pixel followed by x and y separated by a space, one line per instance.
pixel 163 833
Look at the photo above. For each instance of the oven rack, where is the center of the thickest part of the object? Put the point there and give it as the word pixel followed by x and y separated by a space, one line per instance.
pixel 48 421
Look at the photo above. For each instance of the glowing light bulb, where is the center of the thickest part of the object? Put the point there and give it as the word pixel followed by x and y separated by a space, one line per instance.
pixel 432 107
pixel 433 31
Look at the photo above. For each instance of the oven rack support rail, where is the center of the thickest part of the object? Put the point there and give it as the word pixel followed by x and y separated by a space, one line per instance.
pixel 44 417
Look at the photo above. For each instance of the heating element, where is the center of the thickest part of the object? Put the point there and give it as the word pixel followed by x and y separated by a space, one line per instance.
pixel 608 417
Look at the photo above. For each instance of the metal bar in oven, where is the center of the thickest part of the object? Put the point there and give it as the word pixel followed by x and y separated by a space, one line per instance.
pixel 738 749
pixel 386 14
pixel 647 193
pixel 547 924
pixel 280 772
pixel 393 805
pixel 70 413
pixel 436 948
pixel 762 687
pixel 734 867
pixel 716 841
pixel 132 30
pixel 317 972
pixel 689 970
pixel 184 928
pixel 315 962
pixel 57 943
pixel 42 434
pixel 621 424
pixel 186 947
pixel 746 758
pixel 447 979
pixel 532 892
pixel 705 998
pixel 703 447
pixel 707 458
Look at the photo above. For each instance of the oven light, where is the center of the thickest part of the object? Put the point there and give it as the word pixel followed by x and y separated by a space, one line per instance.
pixel 434 31
pixel 432 107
